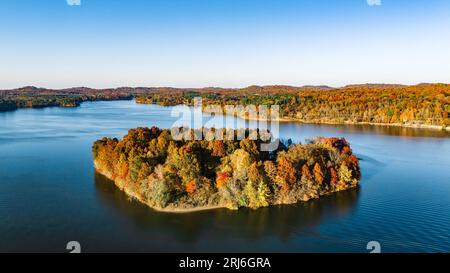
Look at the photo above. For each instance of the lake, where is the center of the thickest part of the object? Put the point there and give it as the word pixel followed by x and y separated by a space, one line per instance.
pixel 50 193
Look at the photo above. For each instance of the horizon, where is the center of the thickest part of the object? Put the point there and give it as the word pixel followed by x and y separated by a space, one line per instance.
pixel 234 88
pixel 222 43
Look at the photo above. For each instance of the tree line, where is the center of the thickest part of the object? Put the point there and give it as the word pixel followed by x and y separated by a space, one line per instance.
pixel 425 104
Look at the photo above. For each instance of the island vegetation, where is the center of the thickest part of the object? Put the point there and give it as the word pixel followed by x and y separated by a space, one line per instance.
pixel 182 176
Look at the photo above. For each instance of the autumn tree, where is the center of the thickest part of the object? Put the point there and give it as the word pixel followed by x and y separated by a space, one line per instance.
pixel 149 165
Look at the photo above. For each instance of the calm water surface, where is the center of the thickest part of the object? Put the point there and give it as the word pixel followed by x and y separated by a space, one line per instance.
pixel 50 194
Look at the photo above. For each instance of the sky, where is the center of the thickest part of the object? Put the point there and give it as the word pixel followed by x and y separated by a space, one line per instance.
pixel 222 43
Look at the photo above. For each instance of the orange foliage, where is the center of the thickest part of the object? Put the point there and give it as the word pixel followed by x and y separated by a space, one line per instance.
pixel 346 150
pixel 191 187
pixel 318 173
pixel 286 170
pixel 222 179
pixel 352 161
pixel 305 172
pixel 218 148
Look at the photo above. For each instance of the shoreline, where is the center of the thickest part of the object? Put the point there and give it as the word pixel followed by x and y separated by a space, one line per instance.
pixel 400 125
pixel 281 120
pixel 295 120
pixel 177 210
pixel 169 209
pixel 186 210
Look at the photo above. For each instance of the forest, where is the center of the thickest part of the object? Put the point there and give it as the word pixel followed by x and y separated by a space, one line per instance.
pixel 423 105
pixel 150 166
pixel 426 105
pixel 33 97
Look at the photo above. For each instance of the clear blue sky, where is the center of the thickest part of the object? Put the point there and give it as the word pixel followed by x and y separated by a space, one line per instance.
pixel 229 43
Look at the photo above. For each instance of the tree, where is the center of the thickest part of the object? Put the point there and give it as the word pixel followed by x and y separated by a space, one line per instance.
pixel 240 161
pixel 222 179
pixel 305 172
pixel 318 174
pixel 286 169
pixel 218 148
pixel 191 187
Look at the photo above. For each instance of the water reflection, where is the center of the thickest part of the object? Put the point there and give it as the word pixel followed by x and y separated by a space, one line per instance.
pixel 281 222
pixel 300 131
pixel 48 193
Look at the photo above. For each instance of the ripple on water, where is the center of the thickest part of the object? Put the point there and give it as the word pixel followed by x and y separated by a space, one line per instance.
pixel 47 184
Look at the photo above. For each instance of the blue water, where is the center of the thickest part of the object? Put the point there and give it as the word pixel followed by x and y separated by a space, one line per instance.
pixel 50 194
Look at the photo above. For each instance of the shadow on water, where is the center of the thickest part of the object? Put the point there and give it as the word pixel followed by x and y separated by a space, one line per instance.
pixel 280 222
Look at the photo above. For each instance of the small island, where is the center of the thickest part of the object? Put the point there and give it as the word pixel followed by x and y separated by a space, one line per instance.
pixel 185 176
